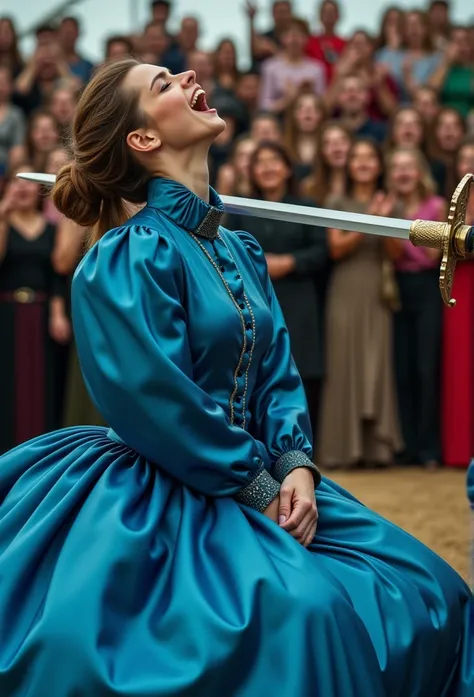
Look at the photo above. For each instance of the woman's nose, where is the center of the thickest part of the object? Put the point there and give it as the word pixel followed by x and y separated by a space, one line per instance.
pixel 188 78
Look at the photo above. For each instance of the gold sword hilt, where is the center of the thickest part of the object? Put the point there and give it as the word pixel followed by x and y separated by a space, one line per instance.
pixel 454 238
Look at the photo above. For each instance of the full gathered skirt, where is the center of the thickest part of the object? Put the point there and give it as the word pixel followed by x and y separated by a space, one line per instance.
pixel 116 579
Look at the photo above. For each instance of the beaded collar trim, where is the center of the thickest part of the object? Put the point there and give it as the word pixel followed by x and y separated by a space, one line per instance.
pixel 209 227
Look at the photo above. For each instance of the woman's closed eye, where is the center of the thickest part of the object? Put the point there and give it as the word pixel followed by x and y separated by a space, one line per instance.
pixel 165 86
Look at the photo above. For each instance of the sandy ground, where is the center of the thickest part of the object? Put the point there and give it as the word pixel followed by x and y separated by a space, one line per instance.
pixel 432 506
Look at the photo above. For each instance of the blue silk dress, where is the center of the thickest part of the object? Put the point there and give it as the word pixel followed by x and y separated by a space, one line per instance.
pixel 136 562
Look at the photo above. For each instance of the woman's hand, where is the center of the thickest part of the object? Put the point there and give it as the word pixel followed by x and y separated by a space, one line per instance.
pixel 298 513
pixel 273 509
pixel 60 328
pixel 280 265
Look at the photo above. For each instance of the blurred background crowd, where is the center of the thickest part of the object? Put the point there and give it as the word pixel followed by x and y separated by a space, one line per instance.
pixel 380 123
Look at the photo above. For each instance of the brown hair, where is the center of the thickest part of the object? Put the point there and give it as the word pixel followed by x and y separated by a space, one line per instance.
pixel 390 141
pixel 317 185
pixel 92 189
pixel 12 59
pixel 423 17
pixel 291 131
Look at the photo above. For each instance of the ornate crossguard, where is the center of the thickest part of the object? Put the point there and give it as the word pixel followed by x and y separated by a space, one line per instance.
pixel 454 238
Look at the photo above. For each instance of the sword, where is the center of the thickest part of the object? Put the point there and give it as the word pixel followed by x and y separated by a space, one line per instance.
pixel 453 238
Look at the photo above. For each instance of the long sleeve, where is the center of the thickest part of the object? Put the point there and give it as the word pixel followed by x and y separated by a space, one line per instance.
pixel 268 91
pixel 278 405
pixel 132 341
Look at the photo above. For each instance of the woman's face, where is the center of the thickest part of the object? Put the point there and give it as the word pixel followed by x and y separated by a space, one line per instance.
pixel 415 30
pixel 308 114
pixel 270 172
pixel 404 173
pixel 176 109
pixel 226 58
pixel 462 41
pixel 362 47
pixel 466 161
pixel 294 40
pixel 57 159
pixel 449 132
pixel 265 129
pixel 242 157
pixel 25 193
pixel 426 103
pixel 62 106
pixel 408 129
pixel 44 134
pixel 364 164
pixel 335 148
pixel 6 35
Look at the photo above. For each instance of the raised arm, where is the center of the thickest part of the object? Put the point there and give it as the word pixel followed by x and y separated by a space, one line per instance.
pixel 131 335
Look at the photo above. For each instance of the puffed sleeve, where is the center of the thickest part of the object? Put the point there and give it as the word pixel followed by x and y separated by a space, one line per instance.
pixel 132 342
pixel 278 405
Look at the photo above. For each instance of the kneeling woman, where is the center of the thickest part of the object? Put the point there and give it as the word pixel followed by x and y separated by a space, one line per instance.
pixel 176 554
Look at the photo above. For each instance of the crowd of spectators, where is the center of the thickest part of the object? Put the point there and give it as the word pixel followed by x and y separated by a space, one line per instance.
pixel 377 123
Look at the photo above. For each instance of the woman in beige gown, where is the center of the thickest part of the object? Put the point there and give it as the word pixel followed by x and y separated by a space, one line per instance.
pixel 359 421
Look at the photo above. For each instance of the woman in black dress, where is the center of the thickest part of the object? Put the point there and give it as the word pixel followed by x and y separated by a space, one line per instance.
pixel 295 255
pixel 32 316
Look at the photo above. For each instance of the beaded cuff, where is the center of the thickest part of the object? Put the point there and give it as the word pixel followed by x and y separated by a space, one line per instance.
pixel 260 492
pixel 289 461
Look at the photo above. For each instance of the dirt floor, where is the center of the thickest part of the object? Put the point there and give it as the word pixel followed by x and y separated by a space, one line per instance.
pixel 432 506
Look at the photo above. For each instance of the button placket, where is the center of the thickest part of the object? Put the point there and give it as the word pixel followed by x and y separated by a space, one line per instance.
pixel 242 305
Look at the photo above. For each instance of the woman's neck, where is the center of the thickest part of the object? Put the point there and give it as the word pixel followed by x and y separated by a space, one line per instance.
pixel 363 192
pixel 276 194
pixel 337 182
pixel 293 58
pixel 25 215
pixel 411 202
pixel 306 146
pixel 189 168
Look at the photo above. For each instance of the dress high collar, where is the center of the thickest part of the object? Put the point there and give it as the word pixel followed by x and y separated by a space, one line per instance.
pixel 186 209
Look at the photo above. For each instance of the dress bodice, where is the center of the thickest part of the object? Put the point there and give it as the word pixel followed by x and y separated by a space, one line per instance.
pixel 177 323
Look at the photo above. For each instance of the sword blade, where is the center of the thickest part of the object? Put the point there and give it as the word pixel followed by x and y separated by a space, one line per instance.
pixel 306 215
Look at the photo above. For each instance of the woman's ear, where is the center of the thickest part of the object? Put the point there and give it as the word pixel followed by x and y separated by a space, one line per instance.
pixel 143 140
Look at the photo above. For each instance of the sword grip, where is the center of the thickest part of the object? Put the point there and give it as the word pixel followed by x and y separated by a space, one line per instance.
pixel 427 233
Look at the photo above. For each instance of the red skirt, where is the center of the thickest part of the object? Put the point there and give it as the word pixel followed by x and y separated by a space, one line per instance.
pixel 458 371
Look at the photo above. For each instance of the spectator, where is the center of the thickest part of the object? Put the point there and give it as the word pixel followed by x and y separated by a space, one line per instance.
pixel 391 32
pixel 41 75
pixel 248 91
pixel 62 105
pixel 29 329
pixel 202 64
pixel 226 71
pixel 10 56
pixel 188 36
pixel 418 323
pixel 54 161
pixel 449 129
pixel 118 47
pixel 327 47
pixel 230 110
pixel 438 15
pixel 285 74
pixel 265 127
pixel 328 179
pixel 413 64
pixel 46 34
pixel 352 103
pixel 303 120
pixel 294 254
pixel 12 121
pixel 42 137
pixel 458 345
pixel 358 59
pixel 454 78
pixel 68 35
pixel 158 48
pixel 426 103
pixel 408 130
pixel 233 178
pixel 161 12
pixel 269 43
pixel 359 423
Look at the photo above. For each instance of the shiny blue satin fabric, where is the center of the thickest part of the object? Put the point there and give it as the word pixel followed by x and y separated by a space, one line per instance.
pixel 126 565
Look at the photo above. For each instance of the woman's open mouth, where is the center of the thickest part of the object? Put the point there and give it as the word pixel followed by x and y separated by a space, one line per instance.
pixel 198 102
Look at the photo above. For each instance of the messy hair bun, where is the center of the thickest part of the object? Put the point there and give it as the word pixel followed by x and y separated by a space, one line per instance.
pixel 92 189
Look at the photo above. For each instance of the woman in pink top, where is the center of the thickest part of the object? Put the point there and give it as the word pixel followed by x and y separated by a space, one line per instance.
pixel 418 323
pixel 286 73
